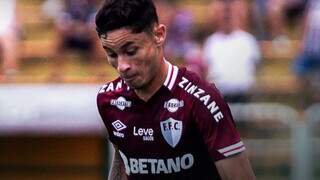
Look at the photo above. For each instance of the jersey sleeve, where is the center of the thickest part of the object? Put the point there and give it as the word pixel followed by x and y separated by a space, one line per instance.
pixel 216 125
pixel 103 104
pixel 100 104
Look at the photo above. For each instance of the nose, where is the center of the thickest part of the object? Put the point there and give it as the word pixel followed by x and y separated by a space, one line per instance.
pixel 123 64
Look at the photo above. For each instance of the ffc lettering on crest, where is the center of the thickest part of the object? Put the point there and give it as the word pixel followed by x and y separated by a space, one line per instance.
pixel 121 103
pixel 171 130
pixel 173 105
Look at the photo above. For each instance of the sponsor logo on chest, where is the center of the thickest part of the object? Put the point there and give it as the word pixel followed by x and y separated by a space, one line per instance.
pixel 157 166
pixel 171 130
pixel 118 126
pixel 173 105
pixel 121 103
pixel 145 133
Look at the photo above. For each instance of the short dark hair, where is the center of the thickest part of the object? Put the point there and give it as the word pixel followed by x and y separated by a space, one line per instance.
pixel 137 15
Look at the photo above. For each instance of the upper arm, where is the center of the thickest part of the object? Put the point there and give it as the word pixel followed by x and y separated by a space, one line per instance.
pixel 215 123
pixel 236 167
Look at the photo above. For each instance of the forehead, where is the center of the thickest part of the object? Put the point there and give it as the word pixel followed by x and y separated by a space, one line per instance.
pixel 120 37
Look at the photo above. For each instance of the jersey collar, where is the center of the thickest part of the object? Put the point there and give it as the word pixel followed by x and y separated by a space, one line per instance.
pixel 172 75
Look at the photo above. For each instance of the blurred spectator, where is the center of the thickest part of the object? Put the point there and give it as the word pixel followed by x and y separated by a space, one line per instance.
pixel 52 9
pixel 231 54
pixel 259 19
pixel 74 24
pixel 8 37
pixel 165 10
pixel 307 64
pixel 181 45
pixel 179 40
pixel 240 13
pixel 194 61
pixel 294 10
pixel 270 19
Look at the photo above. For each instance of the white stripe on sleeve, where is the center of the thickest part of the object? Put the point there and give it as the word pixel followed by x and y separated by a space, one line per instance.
pixel 231 147
pixel 234 151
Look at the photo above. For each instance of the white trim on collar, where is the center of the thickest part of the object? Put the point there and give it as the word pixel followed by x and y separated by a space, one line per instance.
pixel 171 75
pixel 166 82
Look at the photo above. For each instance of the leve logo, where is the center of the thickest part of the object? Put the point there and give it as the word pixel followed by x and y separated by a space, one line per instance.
pixel 171 130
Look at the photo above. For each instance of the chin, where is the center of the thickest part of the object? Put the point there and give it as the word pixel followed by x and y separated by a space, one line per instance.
pixel 135 85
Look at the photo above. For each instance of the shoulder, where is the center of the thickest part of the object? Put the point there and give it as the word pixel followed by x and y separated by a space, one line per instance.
pixel 205 96
pixel 245 35
pixel 247 40
pixel 190 81
pixel 116 85
pixel 112 89
pixel 212 38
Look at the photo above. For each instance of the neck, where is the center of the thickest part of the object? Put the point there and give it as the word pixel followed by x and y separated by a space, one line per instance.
pixel 155 84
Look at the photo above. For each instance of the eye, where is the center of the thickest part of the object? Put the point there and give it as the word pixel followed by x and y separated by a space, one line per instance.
pixel 112 54
pixel 132 51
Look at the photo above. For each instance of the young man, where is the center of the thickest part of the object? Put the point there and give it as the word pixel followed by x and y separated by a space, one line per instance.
pixel 164 122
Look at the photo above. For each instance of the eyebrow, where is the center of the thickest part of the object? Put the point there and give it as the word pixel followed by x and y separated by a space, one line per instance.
pixel 126 45
pixel 122 47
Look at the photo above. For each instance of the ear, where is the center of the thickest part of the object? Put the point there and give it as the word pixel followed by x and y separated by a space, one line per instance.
pixel 160 32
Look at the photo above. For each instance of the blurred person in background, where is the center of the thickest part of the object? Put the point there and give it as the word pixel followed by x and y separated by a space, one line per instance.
pixel 273 19
pixel 74 24
pixel 164 121
pixel 181 45
pixel 240 13
pixel 231 54
pixel 270 18
pixel 194 61
pixel 166 10
pixel 52 9
pixel 307 64
pixel 8 38
pixel 179 37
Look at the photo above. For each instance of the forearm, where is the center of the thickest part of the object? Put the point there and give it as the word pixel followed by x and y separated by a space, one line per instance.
pixel 117 171
pixel 235 168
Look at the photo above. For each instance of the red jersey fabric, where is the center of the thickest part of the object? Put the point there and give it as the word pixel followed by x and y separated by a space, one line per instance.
pixel 177 134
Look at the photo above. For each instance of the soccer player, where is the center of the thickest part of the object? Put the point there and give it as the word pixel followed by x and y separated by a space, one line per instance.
pixel 164 121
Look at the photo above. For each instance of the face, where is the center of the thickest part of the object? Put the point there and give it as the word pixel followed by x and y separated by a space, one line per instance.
pixel 133 55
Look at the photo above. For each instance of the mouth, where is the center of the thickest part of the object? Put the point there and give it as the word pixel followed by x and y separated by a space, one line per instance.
pixel 129 78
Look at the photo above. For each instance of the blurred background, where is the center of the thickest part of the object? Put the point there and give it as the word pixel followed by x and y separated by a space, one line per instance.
pixel 263 55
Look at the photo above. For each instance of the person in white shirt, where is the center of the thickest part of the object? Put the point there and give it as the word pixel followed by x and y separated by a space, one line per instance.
pixel 231 55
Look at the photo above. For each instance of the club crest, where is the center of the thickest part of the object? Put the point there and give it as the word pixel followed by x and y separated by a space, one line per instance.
pixel 171 130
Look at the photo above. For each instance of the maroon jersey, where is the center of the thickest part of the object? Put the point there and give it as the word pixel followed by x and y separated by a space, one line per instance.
pixel 177 134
